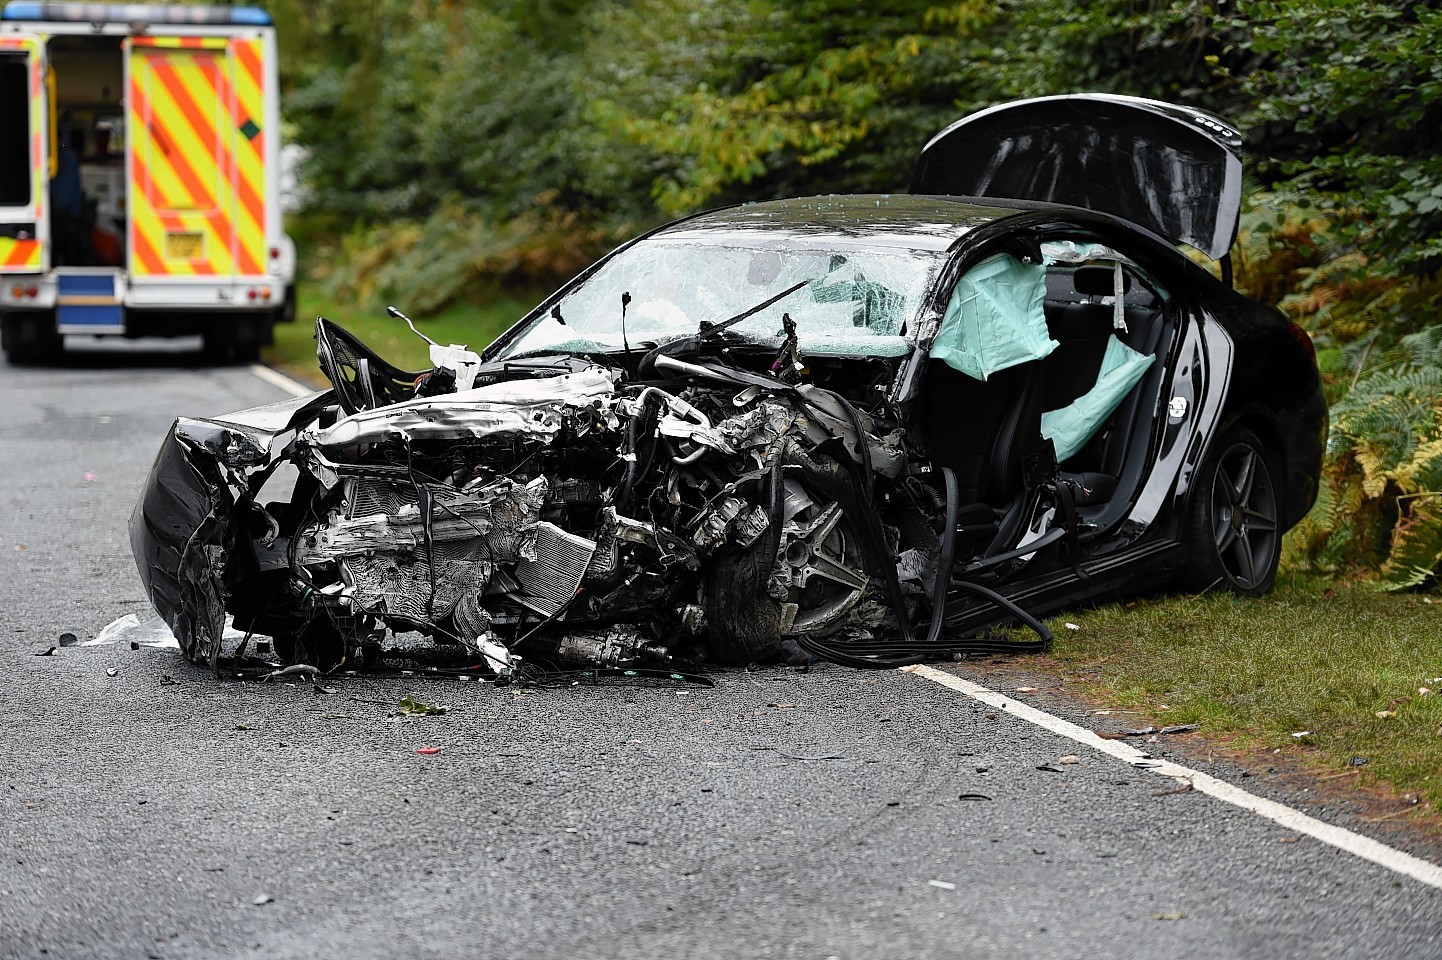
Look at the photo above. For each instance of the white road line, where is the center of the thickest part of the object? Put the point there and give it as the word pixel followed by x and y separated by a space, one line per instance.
pixel 1367 849
pixel 274 377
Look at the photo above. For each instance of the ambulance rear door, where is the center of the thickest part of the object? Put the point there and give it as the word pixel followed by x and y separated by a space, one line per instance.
pixel 26 105
pixel 196 177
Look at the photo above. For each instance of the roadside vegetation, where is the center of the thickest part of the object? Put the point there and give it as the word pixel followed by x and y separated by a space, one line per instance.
pixel 464 155
pixel 1347 679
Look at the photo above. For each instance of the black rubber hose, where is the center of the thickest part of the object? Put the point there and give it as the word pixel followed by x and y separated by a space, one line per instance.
pixel 1037 627
pixel 948 554
pixel 938 603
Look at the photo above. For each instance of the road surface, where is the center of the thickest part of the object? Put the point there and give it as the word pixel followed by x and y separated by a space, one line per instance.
pixel 163 813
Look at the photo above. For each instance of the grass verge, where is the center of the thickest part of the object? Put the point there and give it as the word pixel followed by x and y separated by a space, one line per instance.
pixel 1358 671
pixel 294 348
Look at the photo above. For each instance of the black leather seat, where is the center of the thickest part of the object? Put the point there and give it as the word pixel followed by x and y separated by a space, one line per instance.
pixel 983 430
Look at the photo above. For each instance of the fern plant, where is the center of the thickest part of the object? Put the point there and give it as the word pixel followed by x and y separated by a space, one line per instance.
pixel 1381 504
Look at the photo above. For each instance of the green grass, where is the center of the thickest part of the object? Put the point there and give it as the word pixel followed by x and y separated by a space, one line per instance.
pixel 294 347
pixel 1305 658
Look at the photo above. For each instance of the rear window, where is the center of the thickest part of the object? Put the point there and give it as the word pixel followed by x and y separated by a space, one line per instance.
pixel 14 132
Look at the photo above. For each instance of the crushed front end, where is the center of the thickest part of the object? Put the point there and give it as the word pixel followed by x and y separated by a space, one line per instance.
pixel 556 511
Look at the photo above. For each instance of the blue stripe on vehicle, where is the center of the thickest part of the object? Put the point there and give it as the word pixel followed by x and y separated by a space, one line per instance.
pixel 112 317
pixel 85 285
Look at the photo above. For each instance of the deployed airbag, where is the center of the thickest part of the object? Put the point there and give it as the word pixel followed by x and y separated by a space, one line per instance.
pixel 995 318
pixel 1073 425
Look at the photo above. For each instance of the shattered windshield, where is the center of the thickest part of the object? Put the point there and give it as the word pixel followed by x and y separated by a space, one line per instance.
pixel 847 298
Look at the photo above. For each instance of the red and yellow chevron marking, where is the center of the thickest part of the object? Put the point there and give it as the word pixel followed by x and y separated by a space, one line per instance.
pixel 18 255
pixel 28 255
pixel 197 172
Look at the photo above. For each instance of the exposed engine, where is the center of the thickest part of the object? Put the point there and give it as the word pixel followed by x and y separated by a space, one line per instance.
pixel 553 510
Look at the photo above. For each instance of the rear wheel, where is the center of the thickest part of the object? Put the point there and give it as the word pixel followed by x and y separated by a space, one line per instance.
pixel 30 338
pixel 1234 533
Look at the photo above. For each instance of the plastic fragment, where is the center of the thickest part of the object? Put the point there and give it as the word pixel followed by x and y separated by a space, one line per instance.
pixel 294 670
pixel 68 639
pixel 150 632
pixel 428 751
pixel 111 672
pixel 1050 768
pixel 1301 734
pixel 973 796
pixel 1026 689
pixel 47 652
pixel 1073 626
pixel 1181 728
pixel 263 899
pixel 941 884
pixel 1069 759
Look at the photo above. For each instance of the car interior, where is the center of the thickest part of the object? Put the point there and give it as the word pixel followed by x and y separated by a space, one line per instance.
pixel 989 432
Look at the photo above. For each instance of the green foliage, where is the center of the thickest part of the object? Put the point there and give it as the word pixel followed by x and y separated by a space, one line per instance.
pixel 1348 102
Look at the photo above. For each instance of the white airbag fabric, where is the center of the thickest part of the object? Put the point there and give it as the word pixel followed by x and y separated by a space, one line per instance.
pixel 995 318
pixel 1073 425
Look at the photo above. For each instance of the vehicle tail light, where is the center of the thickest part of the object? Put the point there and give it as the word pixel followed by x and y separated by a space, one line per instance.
pixel 1305 339
pixel 32 291
pixel 275 253
pixel 250 294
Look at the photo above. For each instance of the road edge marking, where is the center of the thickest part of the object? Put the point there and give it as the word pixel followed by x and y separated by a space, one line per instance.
pixel 277 379
pixel 1279 813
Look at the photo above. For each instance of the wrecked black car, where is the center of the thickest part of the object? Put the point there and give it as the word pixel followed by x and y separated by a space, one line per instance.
pixel 864 428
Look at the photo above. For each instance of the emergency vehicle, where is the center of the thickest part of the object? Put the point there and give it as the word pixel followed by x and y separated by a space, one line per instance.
pixel 140 177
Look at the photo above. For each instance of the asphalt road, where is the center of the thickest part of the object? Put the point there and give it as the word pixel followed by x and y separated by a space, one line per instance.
pixel 164 813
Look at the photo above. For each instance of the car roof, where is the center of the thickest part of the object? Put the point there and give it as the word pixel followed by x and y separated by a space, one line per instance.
pixel 881 219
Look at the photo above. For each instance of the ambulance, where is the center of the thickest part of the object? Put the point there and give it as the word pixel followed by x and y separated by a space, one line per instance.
pixel 140 177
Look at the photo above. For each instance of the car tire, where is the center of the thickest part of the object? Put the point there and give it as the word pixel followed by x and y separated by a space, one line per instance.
pixel 743 621
pixel 30 339
pixel 1234 534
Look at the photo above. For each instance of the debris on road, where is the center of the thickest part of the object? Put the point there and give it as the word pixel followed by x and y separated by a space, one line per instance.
pixel 428 751
pixel 47 652
pixel 68 639
pixel 294 670
pixel 411 707
pixel 149 632
pixel 941 884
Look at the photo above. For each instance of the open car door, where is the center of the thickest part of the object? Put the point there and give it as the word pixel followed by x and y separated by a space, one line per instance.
pixel 25 155
pixel 1173 170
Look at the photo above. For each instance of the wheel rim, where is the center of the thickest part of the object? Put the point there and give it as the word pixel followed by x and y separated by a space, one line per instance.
pixel 1244 516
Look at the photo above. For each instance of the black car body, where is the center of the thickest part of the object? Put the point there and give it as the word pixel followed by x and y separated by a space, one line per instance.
pixel 812 423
